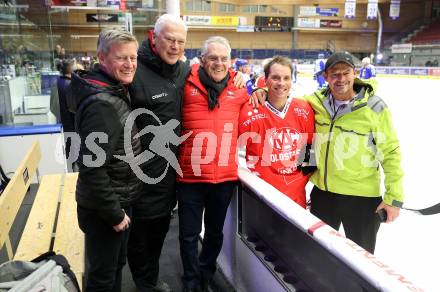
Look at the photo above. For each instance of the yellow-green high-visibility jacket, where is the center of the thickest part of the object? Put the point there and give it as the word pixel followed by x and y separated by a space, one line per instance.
pixel 351 146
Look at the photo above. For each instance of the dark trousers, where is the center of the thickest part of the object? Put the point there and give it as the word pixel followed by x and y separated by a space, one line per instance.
pixel 194 198
pixel 357 214
pixel 106 252
pixel 144 249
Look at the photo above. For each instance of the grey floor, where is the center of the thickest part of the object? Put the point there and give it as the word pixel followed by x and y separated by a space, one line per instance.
pixel 170 264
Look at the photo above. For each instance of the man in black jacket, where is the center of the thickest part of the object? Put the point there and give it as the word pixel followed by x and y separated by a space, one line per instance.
pixel 106 184
pixel 157 87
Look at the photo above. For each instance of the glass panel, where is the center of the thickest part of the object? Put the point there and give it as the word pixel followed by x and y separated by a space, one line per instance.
pixel 189 5
pixel 206 6
pixel 197 5
pixel 223 7
pixel 26 64
pixel 36 39
pixel 246 8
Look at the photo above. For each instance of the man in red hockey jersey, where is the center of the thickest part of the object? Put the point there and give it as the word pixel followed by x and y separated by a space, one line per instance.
pixel 276 133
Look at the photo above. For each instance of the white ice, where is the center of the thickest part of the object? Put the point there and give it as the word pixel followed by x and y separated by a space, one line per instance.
pixel 411 244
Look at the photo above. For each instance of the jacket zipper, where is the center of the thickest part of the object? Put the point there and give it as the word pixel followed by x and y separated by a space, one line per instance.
pixel 332 123
pixel 326 155
pixel 217 147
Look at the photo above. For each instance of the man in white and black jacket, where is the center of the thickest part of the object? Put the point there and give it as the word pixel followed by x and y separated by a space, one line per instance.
pixel 107 185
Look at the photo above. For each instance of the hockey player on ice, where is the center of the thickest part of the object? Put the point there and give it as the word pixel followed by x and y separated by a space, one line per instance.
pixel 319 69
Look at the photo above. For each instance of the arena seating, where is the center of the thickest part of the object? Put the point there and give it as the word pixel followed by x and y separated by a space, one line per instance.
pixel 265 53
pixel 430 35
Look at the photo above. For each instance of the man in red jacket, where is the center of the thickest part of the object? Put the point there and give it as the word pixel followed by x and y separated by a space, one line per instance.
pixel 211 106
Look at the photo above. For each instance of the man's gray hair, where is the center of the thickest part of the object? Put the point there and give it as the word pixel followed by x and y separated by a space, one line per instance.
pixel 217 40
pixel 165 19
pixel 110 36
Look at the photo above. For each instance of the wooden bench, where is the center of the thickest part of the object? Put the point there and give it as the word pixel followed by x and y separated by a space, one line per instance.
pixel 52 223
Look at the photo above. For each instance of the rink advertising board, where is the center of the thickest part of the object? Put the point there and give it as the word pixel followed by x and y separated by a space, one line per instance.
pixel 399 71
pixel 245 28
pixel 197 20
pixel 308 22
pixel 224 20
pixel 401 48
pixel 317 11
pixel 382 70
pixel 307 11
pixel 318 23
pixel 419 71
pixel 434 72
pixel 327 11
pixel 326 23
pixel 201 20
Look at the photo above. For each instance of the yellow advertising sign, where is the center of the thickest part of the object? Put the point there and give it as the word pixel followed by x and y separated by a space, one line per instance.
pixel 224 20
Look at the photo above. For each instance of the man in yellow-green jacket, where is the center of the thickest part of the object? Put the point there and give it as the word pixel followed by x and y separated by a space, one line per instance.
pixel 354 138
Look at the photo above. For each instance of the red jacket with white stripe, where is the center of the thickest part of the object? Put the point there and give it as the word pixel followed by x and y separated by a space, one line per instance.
pixel 208 155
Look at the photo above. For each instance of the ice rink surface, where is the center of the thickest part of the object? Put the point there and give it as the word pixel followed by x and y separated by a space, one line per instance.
pixel 411 244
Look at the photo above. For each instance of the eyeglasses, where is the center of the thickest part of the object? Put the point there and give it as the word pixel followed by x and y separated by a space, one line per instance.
pixel 213 58
pixel 172 41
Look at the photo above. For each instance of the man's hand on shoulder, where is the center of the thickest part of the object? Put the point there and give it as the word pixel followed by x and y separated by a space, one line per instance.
pixel 239 80
pixel 258 97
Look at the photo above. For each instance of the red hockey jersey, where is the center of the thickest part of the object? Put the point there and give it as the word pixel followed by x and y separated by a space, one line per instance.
pixel 273 142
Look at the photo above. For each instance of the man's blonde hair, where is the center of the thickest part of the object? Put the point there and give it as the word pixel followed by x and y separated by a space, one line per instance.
pixel 110 36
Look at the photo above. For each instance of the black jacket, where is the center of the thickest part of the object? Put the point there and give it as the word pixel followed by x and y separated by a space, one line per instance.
pixel 67 118
pixel 112 185
pixel 157 87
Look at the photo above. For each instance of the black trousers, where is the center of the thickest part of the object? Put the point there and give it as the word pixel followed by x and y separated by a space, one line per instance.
pixel 357 214
pixel 144 249
pixel 194 198
pixel 106 252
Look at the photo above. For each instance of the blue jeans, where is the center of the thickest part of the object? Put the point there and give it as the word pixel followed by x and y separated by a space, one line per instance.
pixel 193 198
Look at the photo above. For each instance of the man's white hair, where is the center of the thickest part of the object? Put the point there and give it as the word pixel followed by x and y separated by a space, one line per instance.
pixel 366 60
pixel 165 19
pixel 217 40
